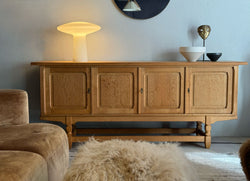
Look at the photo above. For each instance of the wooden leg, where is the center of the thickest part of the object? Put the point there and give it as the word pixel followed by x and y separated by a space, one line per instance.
pixel 69 130
pixel 198 128
pixel 208 135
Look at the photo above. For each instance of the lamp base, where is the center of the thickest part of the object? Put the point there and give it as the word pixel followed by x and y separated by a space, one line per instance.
pixel 80 49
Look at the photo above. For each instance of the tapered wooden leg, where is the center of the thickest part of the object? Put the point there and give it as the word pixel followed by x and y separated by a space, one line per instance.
pixel 69 130
pixel 208 135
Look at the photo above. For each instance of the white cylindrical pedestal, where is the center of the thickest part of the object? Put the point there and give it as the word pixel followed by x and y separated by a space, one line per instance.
pixel 80 49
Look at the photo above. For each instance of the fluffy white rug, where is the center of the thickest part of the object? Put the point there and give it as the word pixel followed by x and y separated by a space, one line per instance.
pixel 216 166
pixel 117 160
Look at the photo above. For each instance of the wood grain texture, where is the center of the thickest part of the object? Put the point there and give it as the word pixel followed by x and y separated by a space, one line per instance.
pixel 43 95
pixel 126 131
pixel 235 90
pixel 207 133
pixel 162 90
pixel 210 90
pixel 66 90
pixel 149 118
pixel 137 63
pixel 69 130
pixel 115 90
pixel 202 92
pixel 143 138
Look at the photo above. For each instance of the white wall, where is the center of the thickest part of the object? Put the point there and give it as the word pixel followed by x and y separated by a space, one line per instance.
pixel 28 33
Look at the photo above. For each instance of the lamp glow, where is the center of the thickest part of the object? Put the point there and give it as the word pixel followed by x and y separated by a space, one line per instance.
pixel 79 30
pixel 132 5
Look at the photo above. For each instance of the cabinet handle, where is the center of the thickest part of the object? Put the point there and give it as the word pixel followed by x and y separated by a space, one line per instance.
pixel 88 90
pixel 141 90
pixel 188 90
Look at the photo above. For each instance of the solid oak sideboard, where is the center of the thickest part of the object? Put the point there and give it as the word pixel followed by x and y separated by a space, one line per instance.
pixel 200 92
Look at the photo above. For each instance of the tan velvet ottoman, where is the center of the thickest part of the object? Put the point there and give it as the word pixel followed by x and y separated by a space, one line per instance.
pixel 22 166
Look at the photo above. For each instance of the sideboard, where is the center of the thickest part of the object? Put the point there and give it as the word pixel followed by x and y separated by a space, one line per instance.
pixel 199 92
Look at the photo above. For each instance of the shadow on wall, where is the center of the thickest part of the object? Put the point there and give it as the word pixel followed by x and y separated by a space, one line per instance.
pixel 244 100
pixel 33 86
pixel 193 35
pixel 33 89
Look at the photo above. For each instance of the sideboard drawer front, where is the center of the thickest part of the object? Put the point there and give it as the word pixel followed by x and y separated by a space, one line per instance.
pixel 66 91
pixel 211 90
pixel 163 90
pixel 115 90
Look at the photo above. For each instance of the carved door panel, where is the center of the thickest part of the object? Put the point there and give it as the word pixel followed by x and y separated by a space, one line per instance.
pixel 162 90
pixel 209 90
pixel 66 91
pixel 114 90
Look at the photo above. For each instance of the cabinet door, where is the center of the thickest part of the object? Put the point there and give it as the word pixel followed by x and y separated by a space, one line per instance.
pixel 209 90
pixel 162 90
pixel 66 91
pixel 114 90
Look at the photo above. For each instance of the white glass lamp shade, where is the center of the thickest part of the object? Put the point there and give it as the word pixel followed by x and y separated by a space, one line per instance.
pixel 79 30
pixel 132 6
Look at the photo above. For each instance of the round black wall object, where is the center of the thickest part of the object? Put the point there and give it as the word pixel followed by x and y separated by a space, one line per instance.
pixel 149 8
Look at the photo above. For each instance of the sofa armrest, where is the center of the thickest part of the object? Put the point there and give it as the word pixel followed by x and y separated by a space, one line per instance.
pixel 13 107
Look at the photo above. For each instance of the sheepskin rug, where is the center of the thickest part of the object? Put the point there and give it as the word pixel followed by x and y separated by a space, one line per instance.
pixel 117 160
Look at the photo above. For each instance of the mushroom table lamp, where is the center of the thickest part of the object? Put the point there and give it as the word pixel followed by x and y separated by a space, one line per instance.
pixel 79 30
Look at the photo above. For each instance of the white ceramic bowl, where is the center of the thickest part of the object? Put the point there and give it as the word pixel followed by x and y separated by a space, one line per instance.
pixel 192 54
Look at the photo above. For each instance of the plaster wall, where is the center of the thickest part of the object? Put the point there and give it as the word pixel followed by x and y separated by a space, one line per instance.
pixel 28 33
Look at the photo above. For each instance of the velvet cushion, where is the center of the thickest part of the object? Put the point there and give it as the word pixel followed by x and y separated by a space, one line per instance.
pixel 48 140
pixel 13 107
pixel 22 166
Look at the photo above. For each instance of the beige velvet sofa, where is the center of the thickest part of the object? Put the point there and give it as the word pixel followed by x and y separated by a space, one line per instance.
pixel 29 152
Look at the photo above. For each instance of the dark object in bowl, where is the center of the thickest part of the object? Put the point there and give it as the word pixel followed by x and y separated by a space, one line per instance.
pixel 214 56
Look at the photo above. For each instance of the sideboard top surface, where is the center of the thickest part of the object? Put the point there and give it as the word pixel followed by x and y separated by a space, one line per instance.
pixel 138 63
